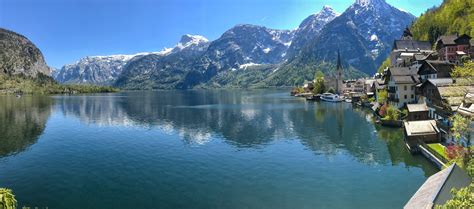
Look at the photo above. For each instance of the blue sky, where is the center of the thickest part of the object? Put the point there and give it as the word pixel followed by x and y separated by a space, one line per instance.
pixel 66 30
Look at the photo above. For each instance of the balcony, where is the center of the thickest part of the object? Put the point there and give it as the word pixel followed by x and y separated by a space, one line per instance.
pixel 393 98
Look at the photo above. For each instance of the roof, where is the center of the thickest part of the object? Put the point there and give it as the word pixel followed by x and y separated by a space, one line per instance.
pixel 406 54
pixel 401 71
pixel 448 40
pixel 422 127
pixel 417 107
pixel 411 44
pixel 420 56
pixel 454 39
pixel 440 81
pixel 453 90
pixel 454 94
pixel 437 66
pixel 405 79
pixel 437 189
pixel 369 82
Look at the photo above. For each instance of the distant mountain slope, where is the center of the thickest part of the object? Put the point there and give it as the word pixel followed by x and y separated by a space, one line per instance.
pixel 453 16
pixel 364 34
pixel 19 56
pixel 310 28
pixel 23 69
pixel 163 71
pixel 191 66
pixel 240 45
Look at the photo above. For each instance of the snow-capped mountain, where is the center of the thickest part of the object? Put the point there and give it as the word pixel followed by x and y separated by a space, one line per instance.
pixel 200 60
pixel 309 29
pixel 163 71
pixel 104 70
pixel 364 34
pixel 244 44
pixel 192 42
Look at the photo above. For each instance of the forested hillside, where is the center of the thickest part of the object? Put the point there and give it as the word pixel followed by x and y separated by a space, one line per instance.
pixel 453 16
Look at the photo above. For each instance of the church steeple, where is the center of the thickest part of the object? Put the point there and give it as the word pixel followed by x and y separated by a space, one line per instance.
pixel 339 65
pixel 339 73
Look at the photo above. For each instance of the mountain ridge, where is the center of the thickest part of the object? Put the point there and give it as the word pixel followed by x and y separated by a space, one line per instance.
pixel 362 32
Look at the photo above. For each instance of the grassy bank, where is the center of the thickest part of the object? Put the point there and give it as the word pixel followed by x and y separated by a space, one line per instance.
pixel 440 149
pixel 44 85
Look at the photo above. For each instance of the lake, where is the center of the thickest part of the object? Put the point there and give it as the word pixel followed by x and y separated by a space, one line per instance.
pixel 201 149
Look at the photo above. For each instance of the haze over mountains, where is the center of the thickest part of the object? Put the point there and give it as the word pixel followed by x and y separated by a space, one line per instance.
pixel 256 56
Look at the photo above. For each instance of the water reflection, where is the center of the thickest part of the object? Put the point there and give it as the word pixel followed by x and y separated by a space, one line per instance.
pixel 22 121
pixel 241 118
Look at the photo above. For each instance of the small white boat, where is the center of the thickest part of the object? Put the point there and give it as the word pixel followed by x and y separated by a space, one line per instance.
pixel 328 97
pixel 348 100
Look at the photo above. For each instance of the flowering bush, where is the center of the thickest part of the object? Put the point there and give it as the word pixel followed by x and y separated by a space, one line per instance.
pixel 383 110
pixel 455 151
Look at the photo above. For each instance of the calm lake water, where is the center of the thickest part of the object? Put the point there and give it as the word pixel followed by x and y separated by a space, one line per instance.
pixel 201 149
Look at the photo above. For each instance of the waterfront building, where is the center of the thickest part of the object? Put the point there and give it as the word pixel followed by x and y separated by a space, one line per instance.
pixel 417 112
pixel 401 82
pixel 423 130
pixel 437 188
pixel 443 96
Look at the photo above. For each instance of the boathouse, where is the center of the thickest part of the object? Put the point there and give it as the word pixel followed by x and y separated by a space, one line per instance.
pixel 437 189
pixel 425 131
pixel 417 112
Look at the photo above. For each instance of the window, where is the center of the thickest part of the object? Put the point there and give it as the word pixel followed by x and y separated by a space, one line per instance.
pixel 405 88
pixel 412 96
pixel 405 96
pixel 412 88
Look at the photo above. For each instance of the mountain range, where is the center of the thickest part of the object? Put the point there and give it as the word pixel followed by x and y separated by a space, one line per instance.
pixel 256 56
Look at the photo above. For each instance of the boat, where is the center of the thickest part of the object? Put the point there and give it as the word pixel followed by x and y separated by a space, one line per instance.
pixel 328 97
pixel 316 97
pixel 303 94
pixel 348 100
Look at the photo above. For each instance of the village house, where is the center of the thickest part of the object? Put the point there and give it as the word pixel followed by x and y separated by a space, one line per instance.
pixel 354 86
pixel 443 96
pixel 431 69
pixel 401 82
pixel 377 85
pixel 451 48
pixel 419 59
pixel 417 112
pixel 308 86
pixel 368 87
pixel 404 50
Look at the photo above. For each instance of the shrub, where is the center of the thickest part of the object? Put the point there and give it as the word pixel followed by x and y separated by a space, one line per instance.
pixel 7 199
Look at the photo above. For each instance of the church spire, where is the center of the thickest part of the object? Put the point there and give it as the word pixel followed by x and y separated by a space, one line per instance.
pixel 339 65
pixel 339 72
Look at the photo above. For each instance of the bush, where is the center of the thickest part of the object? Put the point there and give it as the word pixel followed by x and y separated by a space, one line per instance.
pixel 332 90
pixel 7 200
